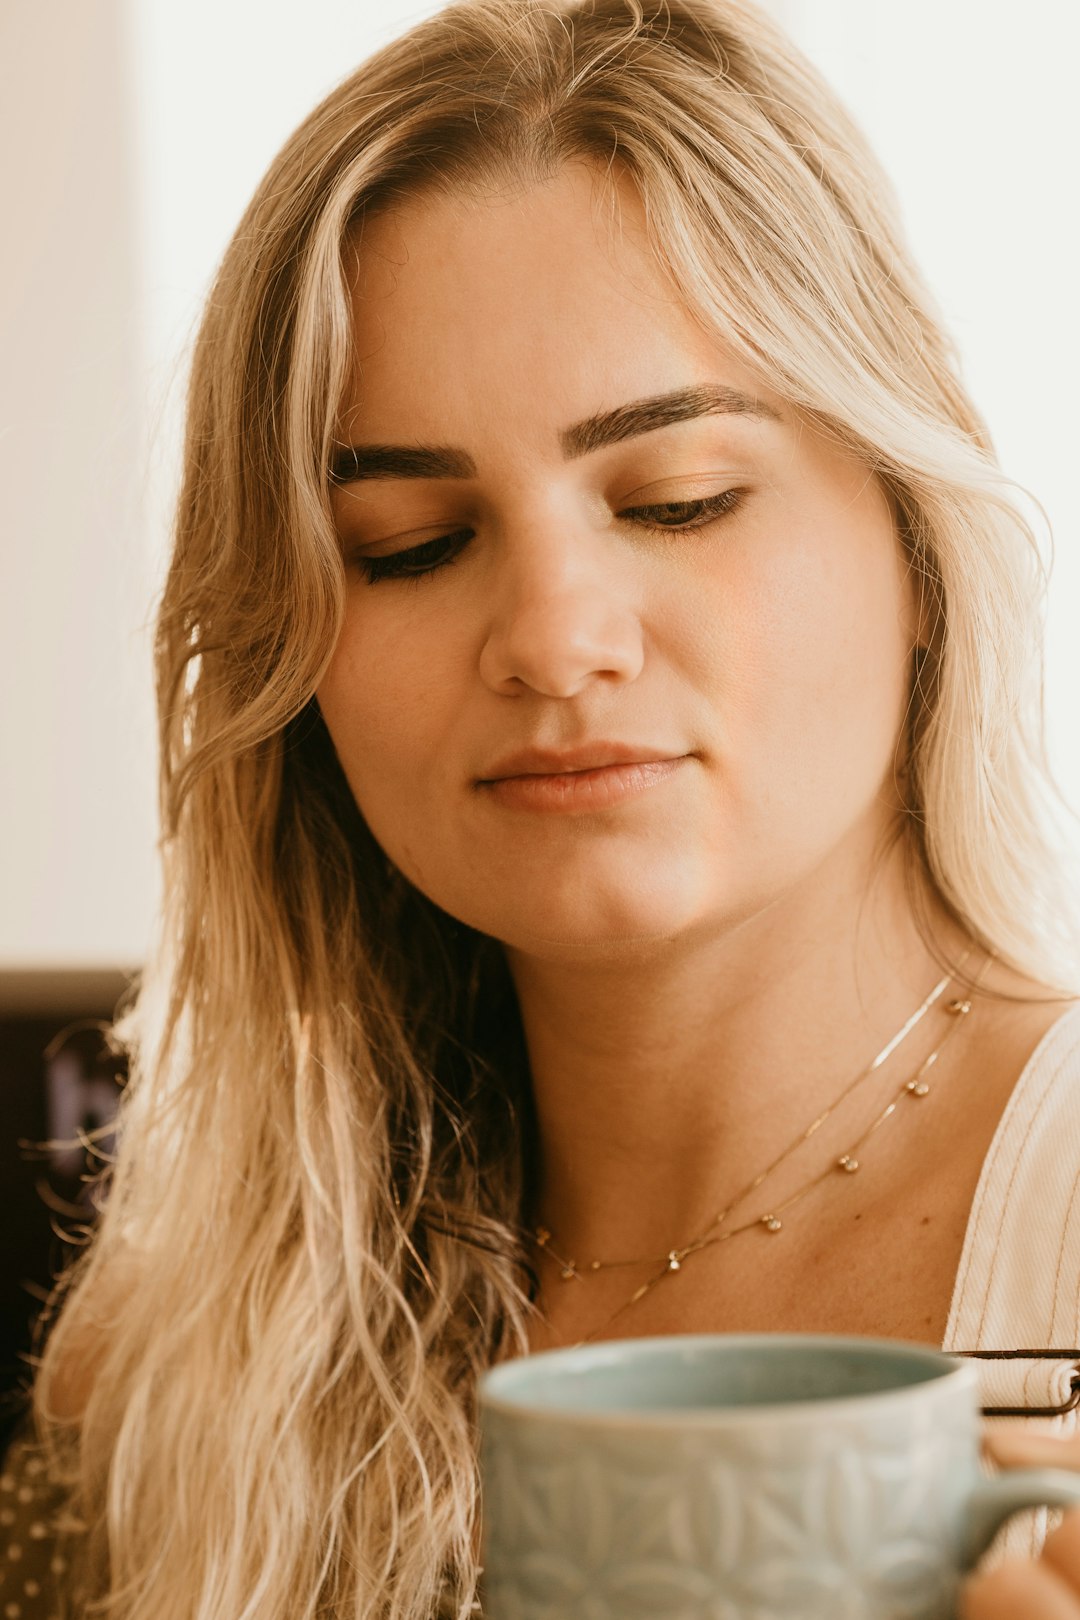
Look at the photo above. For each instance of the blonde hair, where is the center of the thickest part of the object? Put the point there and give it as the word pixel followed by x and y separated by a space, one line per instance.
pixel 310 1243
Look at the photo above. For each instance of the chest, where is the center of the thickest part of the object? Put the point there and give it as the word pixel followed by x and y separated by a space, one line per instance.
pixel 874 1254
pixel 885 1273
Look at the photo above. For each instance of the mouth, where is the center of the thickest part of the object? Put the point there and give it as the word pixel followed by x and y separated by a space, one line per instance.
pixel 575 761
pixel 578 782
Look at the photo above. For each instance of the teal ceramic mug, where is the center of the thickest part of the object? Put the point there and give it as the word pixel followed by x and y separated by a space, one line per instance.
pixel 738 1477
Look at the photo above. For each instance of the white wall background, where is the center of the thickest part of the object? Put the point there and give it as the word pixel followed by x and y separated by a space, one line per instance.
pixel 132 133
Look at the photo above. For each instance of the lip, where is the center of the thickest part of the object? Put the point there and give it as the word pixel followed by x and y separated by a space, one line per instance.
pixel 564 761
pixel 578 781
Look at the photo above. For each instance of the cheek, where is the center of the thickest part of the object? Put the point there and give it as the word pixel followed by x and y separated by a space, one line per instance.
pixel 384 699
pixel 851 688
pixel 812 669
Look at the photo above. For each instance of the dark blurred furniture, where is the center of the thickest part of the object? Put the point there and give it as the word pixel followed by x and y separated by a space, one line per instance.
pixel 56 1075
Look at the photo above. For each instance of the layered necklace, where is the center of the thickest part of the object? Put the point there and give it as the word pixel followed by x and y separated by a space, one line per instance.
pixel 914 1089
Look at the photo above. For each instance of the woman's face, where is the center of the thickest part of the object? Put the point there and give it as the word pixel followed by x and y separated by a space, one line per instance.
pixel 568 559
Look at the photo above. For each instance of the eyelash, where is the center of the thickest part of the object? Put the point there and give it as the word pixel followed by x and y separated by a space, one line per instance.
pixel 400 564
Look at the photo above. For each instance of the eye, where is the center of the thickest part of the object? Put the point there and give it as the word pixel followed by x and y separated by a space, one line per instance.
pixel 415 561
pixel 676 515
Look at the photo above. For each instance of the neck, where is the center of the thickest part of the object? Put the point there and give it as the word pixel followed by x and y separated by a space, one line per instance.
pixel 666 1079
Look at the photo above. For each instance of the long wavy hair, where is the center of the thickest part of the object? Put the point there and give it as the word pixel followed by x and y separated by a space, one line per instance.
pixel 310 1241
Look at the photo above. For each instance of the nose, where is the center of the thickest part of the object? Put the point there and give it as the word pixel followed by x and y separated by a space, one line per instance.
pixel 562 613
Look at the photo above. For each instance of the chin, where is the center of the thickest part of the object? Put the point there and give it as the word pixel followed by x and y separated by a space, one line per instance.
pixel 602 921
pixel 593 950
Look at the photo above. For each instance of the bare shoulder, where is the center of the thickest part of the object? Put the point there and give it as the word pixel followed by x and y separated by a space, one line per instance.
pixel 1013 1017
pixel 1018 1006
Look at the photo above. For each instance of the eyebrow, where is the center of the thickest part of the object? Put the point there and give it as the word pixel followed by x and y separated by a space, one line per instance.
pixel 353 462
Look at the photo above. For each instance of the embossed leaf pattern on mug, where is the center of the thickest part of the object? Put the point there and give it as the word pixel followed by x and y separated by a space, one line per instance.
pixel 816 1526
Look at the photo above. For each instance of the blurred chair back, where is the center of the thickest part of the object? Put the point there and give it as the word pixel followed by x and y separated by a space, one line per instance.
pixel 59 1080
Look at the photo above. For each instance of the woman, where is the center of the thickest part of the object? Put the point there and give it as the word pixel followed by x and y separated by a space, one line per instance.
pixel 601 773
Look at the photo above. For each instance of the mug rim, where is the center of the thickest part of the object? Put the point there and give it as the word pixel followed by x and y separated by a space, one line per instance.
pixel 492 1399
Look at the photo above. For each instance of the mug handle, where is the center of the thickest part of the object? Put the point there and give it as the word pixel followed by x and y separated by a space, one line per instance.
pixel 992 1501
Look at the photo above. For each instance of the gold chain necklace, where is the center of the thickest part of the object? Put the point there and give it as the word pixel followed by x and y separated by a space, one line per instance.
pixel 917 1087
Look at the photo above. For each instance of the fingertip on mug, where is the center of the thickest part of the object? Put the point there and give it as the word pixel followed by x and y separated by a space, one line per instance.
pixel 1018 1589
pixel 1061 1549
pixel 1009 1449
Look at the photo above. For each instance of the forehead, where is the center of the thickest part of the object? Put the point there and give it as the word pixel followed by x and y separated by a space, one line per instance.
pixel 534 305
pixel 484 231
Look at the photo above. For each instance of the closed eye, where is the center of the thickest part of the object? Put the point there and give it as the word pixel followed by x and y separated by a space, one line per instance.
pixel 685 514
pixel 417 562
